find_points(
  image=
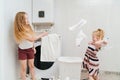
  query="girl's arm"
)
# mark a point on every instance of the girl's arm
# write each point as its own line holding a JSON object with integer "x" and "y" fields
{"x": 100, "y": 44}
{"x": 34, "y": 38}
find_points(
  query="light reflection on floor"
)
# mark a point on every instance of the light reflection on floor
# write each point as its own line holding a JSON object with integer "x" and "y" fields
{"x": 103, "y": 75}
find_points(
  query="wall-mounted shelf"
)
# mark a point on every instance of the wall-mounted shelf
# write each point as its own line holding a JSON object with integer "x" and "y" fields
{"x": 42, "y": 26}
{"x": 50, "y": 24}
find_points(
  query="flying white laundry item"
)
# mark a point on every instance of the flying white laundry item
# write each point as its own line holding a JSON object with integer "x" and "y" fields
{"x": 80, "y": 37}
{"x": 79, "y": 25}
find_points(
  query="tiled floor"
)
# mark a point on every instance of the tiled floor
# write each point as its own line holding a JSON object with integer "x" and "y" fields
{"x": 103, "y": 75}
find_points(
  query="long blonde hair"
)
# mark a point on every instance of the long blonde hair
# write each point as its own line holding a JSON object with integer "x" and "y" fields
{"x": 99, "y": 33}
{"x": 21, "y": 28}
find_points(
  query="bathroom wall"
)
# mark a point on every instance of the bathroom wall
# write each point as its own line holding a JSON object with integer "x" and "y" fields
{"x": 9, "y": 51}
{"x": 1, "y": 35}
{"x": 99, "y": 14}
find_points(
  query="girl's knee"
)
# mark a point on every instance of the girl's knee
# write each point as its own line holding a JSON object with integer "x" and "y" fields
{"x": 23, "y": 69}
{"x": 31, "y": 66}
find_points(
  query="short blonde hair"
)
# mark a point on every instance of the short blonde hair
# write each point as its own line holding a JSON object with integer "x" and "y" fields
{"x": 21, "y": 29}
{"x": 99, "y": 33}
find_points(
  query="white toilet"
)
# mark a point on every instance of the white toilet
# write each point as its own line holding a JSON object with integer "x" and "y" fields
{"x": 70, "y": 68}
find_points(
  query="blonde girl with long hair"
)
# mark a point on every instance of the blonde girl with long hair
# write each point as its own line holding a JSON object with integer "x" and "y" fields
{"x": 25, "y": 37}
{"x": 91, "y": 61}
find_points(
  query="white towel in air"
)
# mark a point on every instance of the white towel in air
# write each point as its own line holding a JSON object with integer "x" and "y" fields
{"x": 80, "y": 37}
{"x": 50, "y": 48}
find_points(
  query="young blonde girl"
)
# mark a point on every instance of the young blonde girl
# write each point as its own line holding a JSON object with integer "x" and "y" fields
{"x": 91, "y": 61}
{"x": 25, "y": 37}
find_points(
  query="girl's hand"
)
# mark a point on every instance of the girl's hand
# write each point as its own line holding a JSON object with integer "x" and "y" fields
{"x": 44, "y": 34}
{"x": 34, "y": 50}
{"x": 100, "y": 43}
{"x": 91, "y": 42}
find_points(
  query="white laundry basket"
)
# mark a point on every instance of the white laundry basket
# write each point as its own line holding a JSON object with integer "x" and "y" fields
{"x": 70, "y": 68}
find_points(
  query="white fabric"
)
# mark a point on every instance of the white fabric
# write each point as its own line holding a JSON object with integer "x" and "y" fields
{"x": 25, "y": 44}
{"x": 38, "y": 43}
{"x": 79, "y": 24}
{"x": 80, "y": 37}
{"x": 50, "y": 47}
